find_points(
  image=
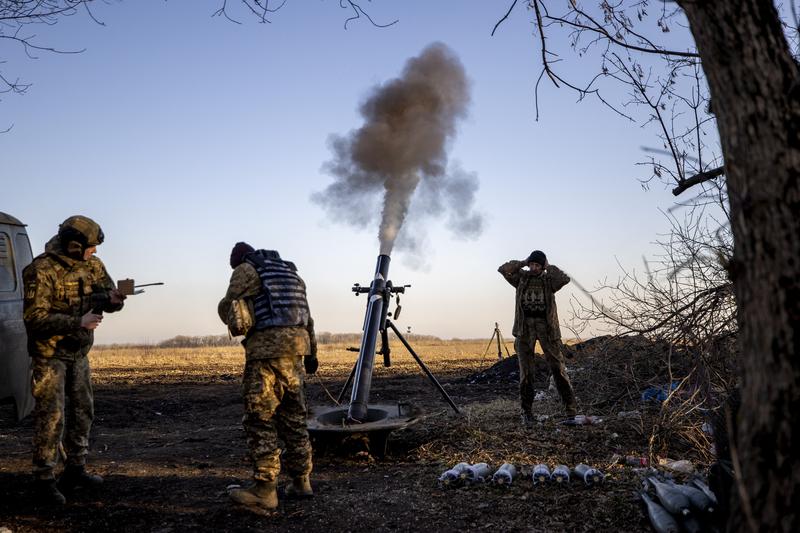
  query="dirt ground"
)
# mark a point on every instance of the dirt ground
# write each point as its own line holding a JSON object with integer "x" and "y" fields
{"x": 168, "y": 442}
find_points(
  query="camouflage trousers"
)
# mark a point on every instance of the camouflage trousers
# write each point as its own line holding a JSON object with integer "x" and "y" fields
{"x": 275, "y": 413}
{"x": 63, "y": 393}
{"x": 536, "y": 329}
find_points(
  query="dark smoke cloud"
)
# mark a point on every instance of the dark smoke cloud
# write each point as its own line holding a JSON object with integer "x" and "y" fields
{"x": 401, "y": 152}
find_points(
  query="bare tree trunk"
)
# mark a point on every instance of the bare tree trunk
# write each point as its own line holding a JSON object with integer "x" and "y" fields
{"x": 755, "y": 93}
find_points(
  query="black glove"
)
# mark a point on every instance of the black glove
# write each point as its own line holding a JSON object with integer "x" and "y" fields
{"x": 311, "y": 363}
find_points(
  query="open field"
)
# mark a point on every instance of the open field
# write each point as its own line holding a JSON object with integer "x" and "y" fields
{"x": 168, "y": 440}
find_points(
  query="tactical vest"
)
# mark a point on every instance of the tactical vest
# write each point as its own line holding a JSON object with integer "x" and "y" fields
{"x": 282, "y": 300}
{"x": 73, "y": 288}
{"x": 533, "y": 298}
{"x": 69, "y": 297}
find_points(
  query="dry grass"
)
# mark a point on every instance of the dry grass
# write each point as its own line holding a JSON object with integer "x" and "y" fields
{"x": 153, "y": 356}
{"x": 332, "y": 357}
{"x": 151, "y": 363}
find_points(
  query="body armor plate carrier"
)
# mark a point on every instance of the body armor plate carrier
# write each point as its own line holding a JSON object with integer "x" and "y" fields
{"x": 282, "y": 300}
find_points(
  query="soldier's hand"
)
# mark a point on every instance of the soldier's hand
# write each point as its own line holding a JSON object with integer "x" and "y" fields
{"x": 512, "y": 267}
{"x": 311, "y": 363}
{"x": 91, "y": 320}
{"x": 116, "y": 297}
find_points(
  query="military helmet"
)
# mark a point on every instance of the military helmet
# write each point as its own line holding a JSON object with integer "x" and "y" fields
{"x": 81, "y": 229}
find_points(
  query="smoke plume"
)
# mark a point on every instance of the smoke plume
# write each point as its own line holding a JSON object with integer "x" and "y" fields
{"x": 401, "y": 149}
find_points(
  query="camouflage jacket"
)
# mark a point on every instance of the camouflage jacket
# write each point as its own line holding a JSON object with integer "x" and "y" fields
{"x": 553, "y": 279}
{"x": 58, "y": 292}
{"x": 270, "y": 342}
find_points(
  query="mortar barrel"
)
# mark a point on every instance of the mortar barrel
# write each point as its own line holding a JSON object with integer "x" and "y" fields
{"x": 359, "y": 398}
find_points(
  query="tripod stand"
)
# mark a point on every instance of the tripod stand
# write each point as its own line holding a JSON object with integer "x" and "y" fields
{"x": 385, "y": 350}
{"x": 500, "y": 342}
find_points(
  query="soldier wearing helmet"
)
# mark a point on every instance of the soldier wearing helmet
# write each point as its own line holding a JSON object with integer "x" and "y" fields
{"x": 536, "y": 318}
{"x": 67, "y": 289}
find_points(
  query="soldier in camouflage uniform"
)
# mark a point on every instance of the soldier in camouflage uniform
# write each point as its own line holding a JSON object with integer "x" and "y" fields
{"x": 66, "y": 289}
{"x": 277, "y": 348}
{"x": 536, "y": 318}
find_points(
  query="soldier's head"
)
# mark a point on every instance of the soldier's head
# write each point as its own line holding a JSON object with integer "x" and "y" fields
{"x": 240, "y": 250}
{"x": 536, "y": 261}
{"x": 80, "y": 236}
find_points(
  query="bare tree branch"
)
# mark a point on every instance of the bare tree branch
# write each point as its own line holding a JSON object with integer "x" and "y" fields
{"x": 603, "y": 31}
{"x": 359, "y": 12}
{"x": 668, "y": 92}
{"x": 697, "y": 179}
{"x": 510, "y": 8}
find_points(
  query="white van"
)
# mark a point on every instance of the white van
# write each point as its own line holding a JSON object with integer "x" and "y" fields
{"x": 15, "y": 374}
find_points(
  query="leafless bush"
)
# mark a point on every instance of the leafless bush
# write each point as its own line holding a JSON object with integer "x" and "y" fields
{"x": 684, "y": 299}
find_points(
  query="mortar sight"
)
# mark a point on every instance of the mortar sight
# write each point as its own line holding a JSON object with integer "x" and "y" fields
{"x": 359, "y": 289}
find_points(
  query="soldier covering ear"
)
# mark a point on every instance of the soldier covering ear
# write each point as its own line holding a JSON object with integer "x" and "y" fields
{"x": 277, "y": 347}
{"x": 536, "y": 318}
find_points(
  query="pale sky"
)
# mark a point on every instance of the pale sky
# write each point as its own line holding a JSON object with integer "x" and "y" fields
{"x": 182, "y": 134}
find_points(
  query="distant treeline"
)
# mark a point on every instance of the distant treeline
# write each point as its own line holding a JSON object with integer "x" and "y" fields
{"x": 199, "y": 341}
{"x": 181, "y": 341}
{"x": 327, "y": 337}
{"x": 213, "y": 341}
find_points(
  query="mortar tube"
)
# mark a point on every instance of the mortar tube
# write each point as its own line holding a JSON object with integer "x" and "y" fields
{"x": 366, "y": 355}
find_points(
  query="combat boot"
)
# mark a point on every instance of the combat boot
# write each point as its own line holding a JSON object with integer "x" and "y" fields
{"x": 527, "y": 419}
{"x": 300, "y": 488}
{"x": 571, "y": 409}
{"x": 260, "y": 497}
{"x": 47, "y": 492}
{"x": 76, "y": 476}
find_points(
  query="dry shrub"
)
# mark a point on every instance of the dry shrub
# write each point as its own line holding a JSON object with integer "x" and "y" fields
{"x": 610, "y": 374}
{"x": 678, "y": 432}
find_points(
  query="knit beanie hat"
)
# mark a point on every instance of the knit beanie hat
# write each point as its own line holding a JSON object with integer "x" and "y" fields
{"x": 537, "y": 256}
{"x": 240, "y": 250}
